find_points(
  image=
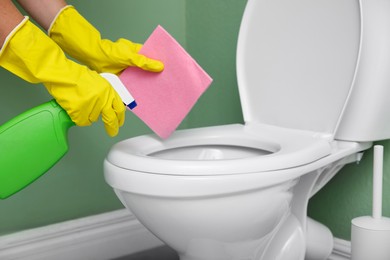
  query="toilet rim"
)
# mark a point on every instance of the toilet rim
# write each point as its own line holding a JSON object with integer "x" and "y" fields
{"x": 288, "y": 149}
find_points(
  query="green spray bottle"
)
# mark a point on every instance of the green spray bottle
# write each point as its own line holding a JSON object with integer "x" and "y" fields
{"x": 30, "y": 144}
{"x": 34, "y": 141}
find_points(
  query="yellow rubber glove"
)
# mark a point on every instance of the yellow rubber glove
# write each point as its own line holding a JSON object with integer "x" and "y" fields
{"x": 84, "y": 94}
{"x": 77, "y": 37}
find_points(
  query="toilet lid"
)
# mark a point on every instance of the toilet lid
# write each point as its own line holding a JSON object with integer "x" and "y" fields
{"x": 296, "y": 61}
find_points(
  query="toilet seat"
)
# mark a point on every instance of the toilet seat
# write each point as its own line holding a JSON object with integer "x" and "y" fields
{"x": 249, "y": 148}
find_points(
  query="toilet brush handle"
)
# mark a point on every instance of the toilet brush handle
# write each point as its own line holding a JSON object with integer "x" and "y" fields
{"x": 377, "y": 182}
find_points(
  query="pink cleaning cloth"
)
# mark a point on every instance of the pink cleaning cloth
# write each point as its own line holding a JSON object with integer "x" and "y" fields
{"x": 164, "y": 99}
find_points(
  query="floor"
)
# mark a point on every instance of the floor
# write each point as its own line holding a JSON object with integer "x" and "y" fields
{"x": 159, "y": 253}
{"x": 166, "y": 253}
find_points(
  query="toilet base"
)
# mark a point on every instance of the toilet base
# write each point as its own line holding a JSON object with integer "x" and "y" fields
{"x": 288, "y": 243}
{"x": 285, "y": 243}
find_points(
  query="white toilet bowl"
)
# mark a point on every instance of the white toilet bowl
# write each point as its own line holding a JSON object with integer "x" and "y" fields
{"x": 311, "y": 102}
{"x": 225, "y": 192}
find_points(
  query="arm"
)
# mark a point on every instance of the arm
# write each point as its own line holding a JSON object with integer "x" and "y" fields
{"x": 43, "y": 11}
{"x": 76, "y": 36}
{"x": 10, "y": 17}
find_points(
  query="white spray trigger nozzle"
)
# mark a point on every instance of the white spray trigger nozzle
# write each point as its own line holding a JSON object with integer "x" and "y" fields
{"x": 122, "y": 91}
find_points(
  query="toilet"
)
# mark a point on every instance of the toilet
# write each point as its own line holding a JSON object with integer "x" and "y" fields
{"x": 314, "y": 85}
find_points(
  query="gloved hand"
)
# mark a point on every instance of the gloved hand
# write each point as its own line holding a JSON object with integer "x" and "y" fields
{"x": 84, "y": 94}
{"x": 77, "y": 37}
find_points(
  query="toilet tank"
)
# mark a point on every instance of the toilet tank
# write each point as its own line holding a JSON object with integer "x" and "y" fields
{"x": 312, "y": 65}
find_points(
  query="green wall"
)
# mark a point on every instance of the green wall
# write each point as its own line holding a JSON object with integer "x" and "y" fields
{"x": 211, "y": 33}
{"x": 208, "y": 29}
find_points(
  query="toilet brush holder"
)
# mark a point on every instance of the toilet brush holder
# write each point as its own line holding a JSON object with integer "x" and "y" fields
{"x": 370, "y": 238}
{"x": 371, "y": 234}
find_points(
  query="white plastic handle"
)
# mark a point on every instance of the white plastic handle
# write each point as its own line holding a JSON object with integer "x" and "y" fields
{"x": 377, "y": 182}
